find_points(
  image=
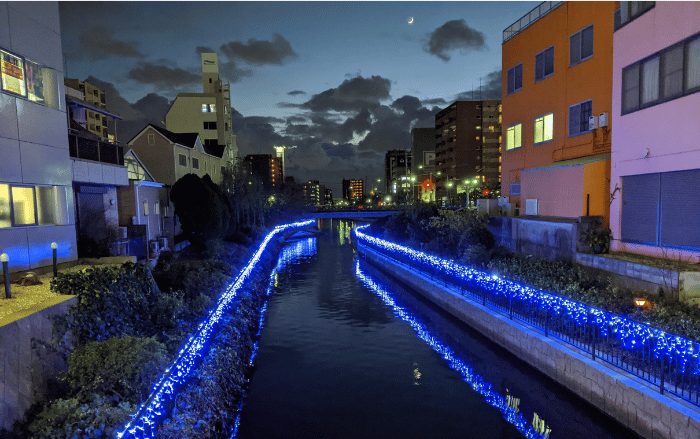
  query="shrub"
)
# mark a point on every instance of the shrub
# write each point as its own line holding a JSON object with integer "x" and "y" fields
{"x": 194, "y": 277}
{"x": 124, "y": 368}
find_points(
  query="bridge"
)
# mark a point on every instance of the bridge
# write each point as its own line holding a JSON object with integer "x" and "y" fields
{"x": 350, "y": 213}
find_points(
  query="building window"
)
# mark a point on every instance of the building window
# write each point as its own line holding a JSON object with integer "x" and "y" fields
{"x": 208, "y": 108}
{"x": 183, "y": 159}
{"x": 195, "y": 163}
{"x": 630, "y": 10}
{"x": 209, "y": 125}
{"x": 669, "y": 74}
{"x": 578, "y": 118}
{"x": 156, "y": 208}
{"x": 514, "y": 136}
{"x": 515, "y": 78}
{"x": 28, "y": 79}
{"x": 151, "y": 139}
{"x": 544, "y": 64}
{"x": 581, "y": 46}
{"x": 544, "y": 128}
{"x": 145, "y": 207}
{"x": 32, "y": 205}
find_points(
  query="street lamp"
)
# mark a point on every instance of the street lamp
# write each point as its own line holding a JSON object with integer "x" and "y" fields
{"x": 449, "y": 198}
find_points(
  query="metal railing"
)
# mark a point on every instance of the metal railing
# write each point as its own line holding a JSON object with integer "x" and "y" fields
{"x": 538, "y": 12}
{"x": 95, "y": 150}
{"x": 667, "y": 361}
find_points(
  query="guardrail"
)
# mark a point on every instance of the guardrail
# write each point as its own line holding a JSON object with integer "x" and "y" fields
{"x": 144, "y": 421}
{"x": 668, "y": 361}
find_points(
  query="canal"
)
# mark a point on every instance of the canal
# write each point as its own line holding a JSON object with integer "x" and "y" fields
{"x": 347, "y": 352}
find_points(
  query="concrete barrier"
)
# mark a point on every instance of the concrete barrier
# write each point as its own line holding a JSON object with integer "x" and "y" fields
{"x": 619, "y": 394}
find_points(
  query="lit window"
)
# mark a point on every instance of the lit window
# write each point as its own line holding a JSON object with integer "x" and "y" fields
{"x": 514, "y": 136}
{"x": 145, "y": 207}
{"x": 23, "y": 205}
{"x": 156, "y": 208}
{"x": 581, "y": 46}
{"x": 205, "y": 108}
{"x": 12, "y": 73}
{"x": 5, "y": 218}
{"x": 478, "y": 127}
{"x": 544, "y": 128}
{"x": 578, "y": 118}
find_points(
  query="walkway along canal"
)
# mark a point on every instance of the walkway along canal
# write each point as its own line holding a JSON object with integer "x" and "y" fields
{"x": 346, "y": 352}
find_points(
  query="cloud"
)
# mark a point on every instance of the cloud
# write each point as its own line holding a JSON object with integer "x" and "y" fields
{"x": 352, "y": 95}
{"x": 258, "y": 52}
{"x": 435, "y": 101}
{"x": 162, "y": 76}
{"x": 490, "y": 88}
{"x": 296, "y": 92}
{"x": 204, "y": 49}
{"x": 454, "y": 34}
{"x": 98, "y": 43}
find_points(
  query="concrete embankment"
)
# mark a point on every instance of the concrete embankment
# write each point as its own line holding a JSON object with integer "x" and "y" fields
{"x": 619, "y": 394}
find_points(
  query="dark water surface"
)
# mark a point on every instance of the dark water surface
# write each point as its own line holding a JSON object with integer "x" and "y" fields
{"x": 336, "y": 360}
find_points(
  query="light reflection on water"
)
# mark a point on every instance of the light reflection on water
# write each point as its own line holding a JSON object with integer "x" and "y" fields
{"x": 335, "y": 361}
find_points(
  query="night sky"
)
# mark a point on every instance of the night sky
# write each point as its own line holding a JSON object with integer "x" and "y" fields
{"x": 343, "y": 81}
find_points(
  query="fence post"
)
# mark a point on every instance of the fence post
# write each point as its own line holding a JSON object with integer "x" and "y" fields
{"x": 663, "y": 372}
{"x": 510, "y": 305}
{"x": 546, "y": 322}
{"x": 591, "y": 326}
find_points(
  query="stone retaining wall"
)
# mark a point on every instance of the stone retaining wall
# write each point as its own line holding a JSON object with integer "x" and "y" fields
{"x": 25, "y": 375}
{"x": 620, "y": 395}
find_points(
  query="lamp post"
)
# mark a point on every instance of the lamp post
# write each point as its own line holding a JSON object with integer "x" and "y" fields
{"x": 6, "y": 272}
{"x": 54, "y": 246}
{"x": 449, "y": 198}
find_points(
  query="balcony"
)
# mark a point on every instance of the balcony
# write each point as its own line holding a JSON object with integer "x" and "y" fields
{"x": 95, "y": 150}
{"x": 538, "y": 12}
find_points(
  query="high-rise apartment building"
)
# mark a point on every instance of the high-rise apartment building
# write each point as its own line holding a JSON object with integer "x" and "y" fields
{"x": 87, "y": 107}
{"x": 314, "y": 193}
{"x": 397, "y": 174}
{"x": 467, "y": 149}
{"x": 654, "y": 206}
{"x": 207, "y": 113}
{"x": 557, "y": 89}
{"x": 353, "y": 189}
{"x": 267, "y": 168}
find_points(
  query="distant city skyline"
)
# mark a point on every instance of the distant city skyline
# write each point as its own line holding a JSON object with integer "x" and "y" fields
{"x": 343, "y": 81}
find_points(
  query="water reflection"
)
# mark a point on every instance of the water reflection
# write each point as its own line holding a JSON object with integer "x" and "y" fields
{"x": 505, "y": 405}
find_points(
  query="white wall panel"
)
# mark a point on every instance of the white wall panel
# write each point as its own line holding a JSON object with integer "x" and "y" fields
{"x": 121, "y": 176}
{"x": 36, "y": 42}
{"x": 13, "y": 241}
{"x": 10, "y": 169}
{"x": 43, "y": 164}
{"x": 94, "y": 172}
{"x": 8, "y": 116}
{"x": 45, "y": 13}
{"x": 4, "y": 26}
{"x": 40, "y": 239}
{"x": 80, "y": 170}
{"x": 39, "y": 124}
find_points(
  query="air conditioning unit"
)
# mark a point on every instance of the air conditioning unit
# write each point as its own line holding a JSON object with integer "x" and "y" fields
{"x": 532, "y": 207}
{"x": 163, "y": 242}
{"x": 592, "y": 123}
{"x": 603, "y": 119}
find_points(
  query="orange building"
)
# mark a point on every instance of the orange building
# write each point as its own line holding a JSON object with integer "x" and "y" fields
{"x": 557, "y": 92}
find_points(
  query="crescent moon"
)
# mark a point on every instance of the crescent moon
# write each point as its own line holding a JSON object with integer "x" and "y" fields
{"x": 410, "y": 20}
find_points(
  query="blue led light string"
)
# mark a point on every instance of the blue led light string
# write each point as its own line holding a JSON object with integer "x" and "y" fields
{"x": 679, "y": 355}
{"x": 485, "y": 389}
{"x": 142, "y": 425}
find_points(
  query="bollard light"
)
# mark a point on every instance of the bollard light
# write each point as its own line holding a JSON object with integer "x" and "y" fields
{"x": 641, "y": 302}
{"x": 54, "y": 246}
{"x": 6, "y": 272}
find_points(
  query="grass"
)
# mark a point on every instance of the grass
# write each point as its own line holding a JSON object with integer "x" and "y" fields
{"x": 669, "y": 264}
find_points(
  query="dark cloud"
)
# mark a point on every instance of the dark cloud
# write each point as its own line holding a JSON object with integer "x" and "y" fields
{"x": 296, "y": 92}
{"x": 453, "y": 35}
{"x": 435, "y": 101}
{"x": 204, "y": 49}
{"x": 232, "y": 73}
{"x": 258, "y": 52}
{"x": 162, "y": 76}
{"x": 490, "y": 89}
{"x": 98, "y": 43}
{"x": 292, "y": 119}
{"x": 407, "y": 104}
{"x": 352, "y": 95}
{"x": 344, "y": 151}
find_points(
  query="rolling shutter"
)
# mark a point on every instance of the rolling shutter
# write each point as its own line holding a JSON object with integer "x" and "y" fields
{"x": 640, "y": 208}
{"x": 680, "y": 208}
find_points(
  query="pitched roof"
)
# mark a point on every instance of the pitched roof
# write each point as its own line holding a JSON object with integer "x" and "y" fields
{"x": 184, "y": 139}
{"x": 215, "y": 150}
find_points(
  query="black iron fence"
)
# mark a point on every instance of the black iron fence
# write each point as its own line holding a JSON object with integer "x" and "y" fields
{"x": 96, "y": 150}
{"x": 670, "y": 362}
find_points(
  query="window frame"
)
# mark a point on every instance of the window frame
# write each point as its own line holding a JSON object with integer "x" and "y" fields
{"x": 180, "y": 157}
{"x": 59, "y": 211}
{"x": 661, "y": 98}
{"x": 52, "y": 100}
{"x": 579, "y": 33}
{"x": 543, "y": 53}
{"x": 579, "y": 132}
{"x": 195, "y": 163}
{"x": 543, "y": 117}
{"x": 508, "y": 81}
{"x": 521, "y": 136}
